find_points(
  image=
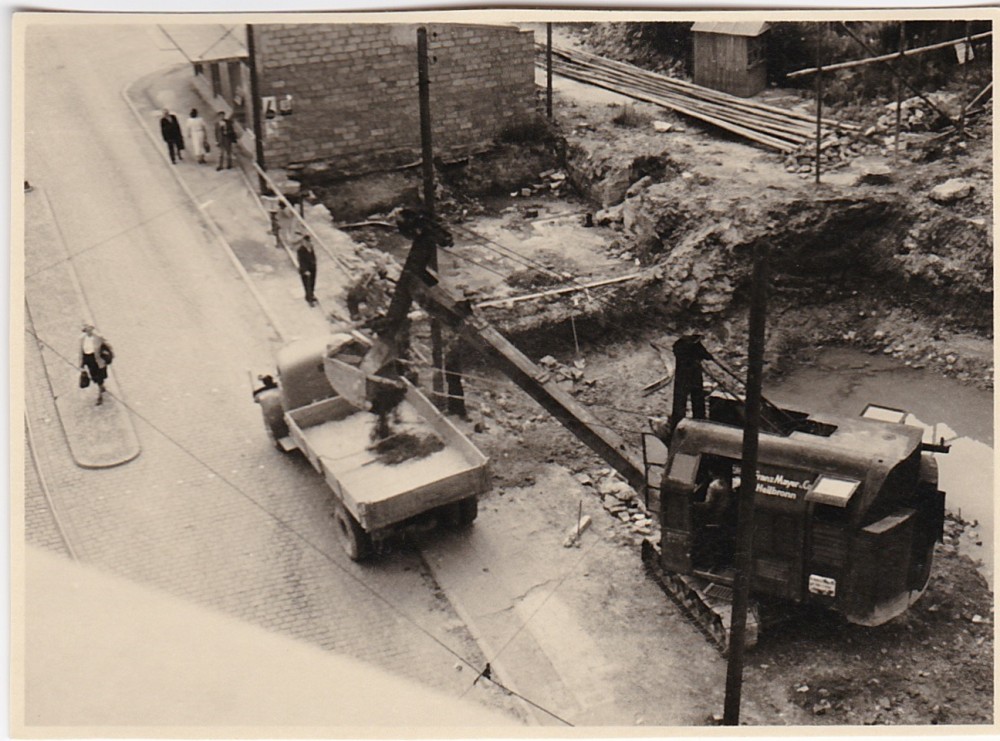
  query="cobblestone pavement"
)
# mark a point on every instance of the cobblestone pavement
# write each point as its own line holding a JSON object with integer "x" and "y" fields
{"x": 209, "y": 512}
{"x": 40, "y": 524}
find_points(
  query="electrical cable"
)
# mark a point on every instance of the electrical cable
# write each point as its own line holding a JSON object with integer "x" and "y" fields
{"x": 524, "y": 623}
{"x": 290, "y": 529}
{"x": 70, "y": 256}
{"x": 505, "y": 385}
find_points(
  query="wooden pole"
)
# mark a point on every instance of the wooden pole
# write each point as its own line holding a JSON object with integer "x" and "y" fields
{"x": 258, "y": 134}
{"x": 819, "y": 99}
{"x": 965, "y": 80}
{"x": 898, "y": 73}
{"x": 889, "y": 57}
{"x": 548, "y": 70}
{"x": 747, "y": 490}
{"x": 899, "y": 95}
{"x": 427, "y": 155}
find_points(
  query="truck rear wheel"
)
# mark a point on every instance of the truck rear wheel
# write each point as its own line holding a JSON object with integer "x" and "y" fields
{"x": 357, "y": 544}
{"x": 464, "y": 512}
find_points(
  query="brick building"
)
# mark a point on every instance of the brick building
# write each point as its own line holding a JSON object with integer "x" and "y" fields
{"x": 345, "y": 95}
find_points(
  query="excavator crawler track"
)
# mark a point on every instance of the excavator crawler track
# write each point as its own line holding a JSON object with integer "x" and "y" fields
{"x": 708, "y": 605}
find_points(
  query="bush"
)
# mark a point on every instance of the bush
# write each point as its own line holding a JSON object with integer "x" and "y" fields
{"x": 630, "y": 118}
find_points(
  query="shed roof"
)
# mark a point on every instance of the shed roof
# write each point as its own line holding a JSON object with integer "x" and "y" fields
{"x": 731, "y": 28}
{"x": 207, "y": 42}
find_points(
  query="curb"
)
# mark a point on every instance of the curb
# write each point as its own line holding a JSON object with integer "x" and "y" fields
{"x": 207, "y": 220}
{"x": 485, "y": 646}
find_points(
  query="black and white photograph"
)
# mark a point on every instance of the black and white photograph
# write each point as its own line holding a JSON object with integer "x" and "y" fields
{"x": 502, "y": 373}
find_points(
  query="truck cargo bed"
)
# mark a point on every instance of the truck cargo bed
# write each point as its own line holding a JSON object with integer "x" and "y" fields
{"x": 337, "y": 440}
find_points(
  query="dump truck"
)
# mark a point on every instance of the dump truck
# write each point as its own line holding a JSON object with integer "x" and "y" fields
{"x": 846, "y": 510}
{"x": 421, "y": 473}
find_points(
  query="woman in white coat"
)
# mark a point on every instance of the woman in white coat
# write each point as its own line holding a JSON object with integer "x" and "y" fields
{"x": 197, "y": 131}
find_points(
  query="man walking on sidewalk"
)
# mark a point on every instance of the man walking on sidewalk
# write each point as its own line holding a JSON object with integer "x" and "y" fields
{"x": 307, "y": 268}
{"x": 170, "y": 130}
{"x": 225, "y": 136}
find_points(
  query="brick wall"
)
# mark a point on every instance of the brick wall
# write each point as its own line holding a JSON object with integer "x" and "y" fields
{"x": 355, "y": 96}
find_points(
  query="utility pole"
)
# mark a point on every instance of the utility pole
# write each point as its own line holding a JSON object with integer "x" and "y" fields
{"x": 258, "y": 134}
{"x": 427, "y": 160}
{"x": 965, "y": 79}
{"x": 548, "y": 70}
{"x": 899, "y": 94}
{"x": 819, "y": 97}
{"x": 748, "y": 489}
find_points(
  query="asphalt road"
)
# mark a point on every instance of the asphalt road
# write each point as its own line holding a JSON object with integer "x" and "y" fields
{"x": 209, "y": 512}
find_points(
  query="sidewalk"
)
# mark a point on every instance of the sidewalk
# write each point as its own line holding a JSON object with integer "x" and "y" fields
{"x": 229, "y": 202}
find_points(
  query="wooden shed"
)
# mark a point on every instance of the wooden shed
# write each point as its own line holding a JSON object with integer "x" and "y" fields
{"x": 730, "y": 56}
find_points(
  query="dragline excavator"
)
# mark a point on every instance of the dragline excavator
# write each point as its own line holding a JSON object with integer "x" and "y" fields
{"x": 846, "y": 510}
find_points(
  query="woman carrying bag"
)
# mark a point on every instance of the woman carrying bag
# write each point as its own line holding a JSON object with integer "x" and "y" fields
{"x": 95, "y": 357}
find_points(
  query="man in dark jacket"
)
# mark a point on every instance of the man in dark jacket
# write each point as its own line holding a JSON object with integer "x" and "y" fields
{"x": 170, "y": 129}
{"x": 225, "y": 136}
{"x": 307, "y": 268}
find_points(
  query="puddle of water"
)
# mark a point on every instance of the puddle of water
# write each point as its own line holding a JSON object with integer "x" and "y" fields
{"x": 843, "y": 381}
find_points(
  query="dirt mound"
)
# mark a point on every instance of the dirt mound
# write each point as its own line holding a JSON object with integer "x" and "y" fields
{"x": 406, "y": 446}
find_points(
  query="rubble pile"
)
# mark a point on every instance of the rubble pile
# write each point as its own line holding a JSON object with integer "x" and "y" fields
{"x": 917, "y": 118}
{"x": 568, "y": 378}
{"x": 619, "y": 500}
{"x": 549, "y": 181}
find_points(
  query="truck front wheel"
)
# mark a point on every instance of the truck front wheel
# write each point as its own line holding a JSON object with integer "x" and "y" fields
{"x": 357, "y": 544}
{"x": 274, "y": 416}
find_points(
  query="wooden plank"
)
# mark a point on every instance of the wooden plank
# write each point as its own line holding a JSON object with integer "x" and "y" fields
{"x": 888, "y": 57}
{"x": 796, "y": 132}
{"x": 693, "y": 89}
{"x": 772, "y": 142}
{"x": 556, "y": 291}
{"x": 735, "y": 110}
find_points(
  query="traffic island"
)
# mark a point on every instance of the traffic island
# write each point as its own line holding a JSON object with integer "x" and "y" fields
{"x": 99, "y": 436}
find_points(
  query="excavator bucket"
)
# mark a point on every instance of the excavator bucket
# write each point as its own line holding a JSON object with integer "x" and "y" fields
{"x": 346, "y": 366}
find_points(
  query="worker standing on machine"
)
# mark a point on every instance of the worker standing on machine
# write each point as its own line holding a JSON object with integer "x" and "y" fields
{"x": 688, "y": 382}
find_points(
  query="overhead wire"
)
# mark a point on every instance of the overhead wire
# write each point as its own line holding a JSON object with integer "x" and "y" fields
{"x": 501, "y": 384}
{"x": 300, "y": 536}
{"x": 138, "y": 225}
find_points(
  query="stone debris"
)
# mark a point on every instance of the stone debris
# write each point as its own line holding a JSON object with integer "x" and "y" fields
{"x": 569, "y": 378}
{"x": 619, "y": 500}
{"x": 550, "y": 181}
{"x": 951, "y": 191}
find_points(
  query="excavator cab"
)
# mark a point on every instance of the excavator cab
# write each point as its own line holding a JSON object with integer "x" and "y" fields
{"x": 846, "y": 510}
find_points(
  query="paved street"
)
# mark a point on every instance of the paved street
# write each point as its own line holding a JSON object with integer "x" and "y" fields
{"x": 209, "y": 511}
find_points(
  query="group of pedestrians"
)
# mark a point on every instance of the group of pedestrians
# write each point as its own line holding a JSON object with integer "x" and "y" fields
{"x": 197, "y": 135}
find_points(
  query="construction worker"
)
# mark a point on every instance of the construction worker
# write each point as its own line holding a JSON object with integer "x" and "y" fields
{"x": 688, "y": 381}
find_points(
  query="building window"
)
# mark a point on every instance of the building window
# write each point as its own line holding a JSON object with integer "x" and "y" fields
{"x": 199, "y": 69}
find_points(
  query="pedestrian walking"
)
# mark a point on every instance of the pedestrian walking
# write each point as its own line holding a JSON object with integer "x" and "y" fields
{"x": 225, "y": 137}
{"x": 95, "y": 357}
{"x": 170, "y": 130}
{"x": 198, "y": 135}
{"x": 307, "y": 268}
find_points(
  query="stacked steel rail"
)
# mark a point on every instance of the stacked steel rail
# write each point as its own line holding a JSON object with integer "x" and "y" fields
{"x": 770, "y": 126}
